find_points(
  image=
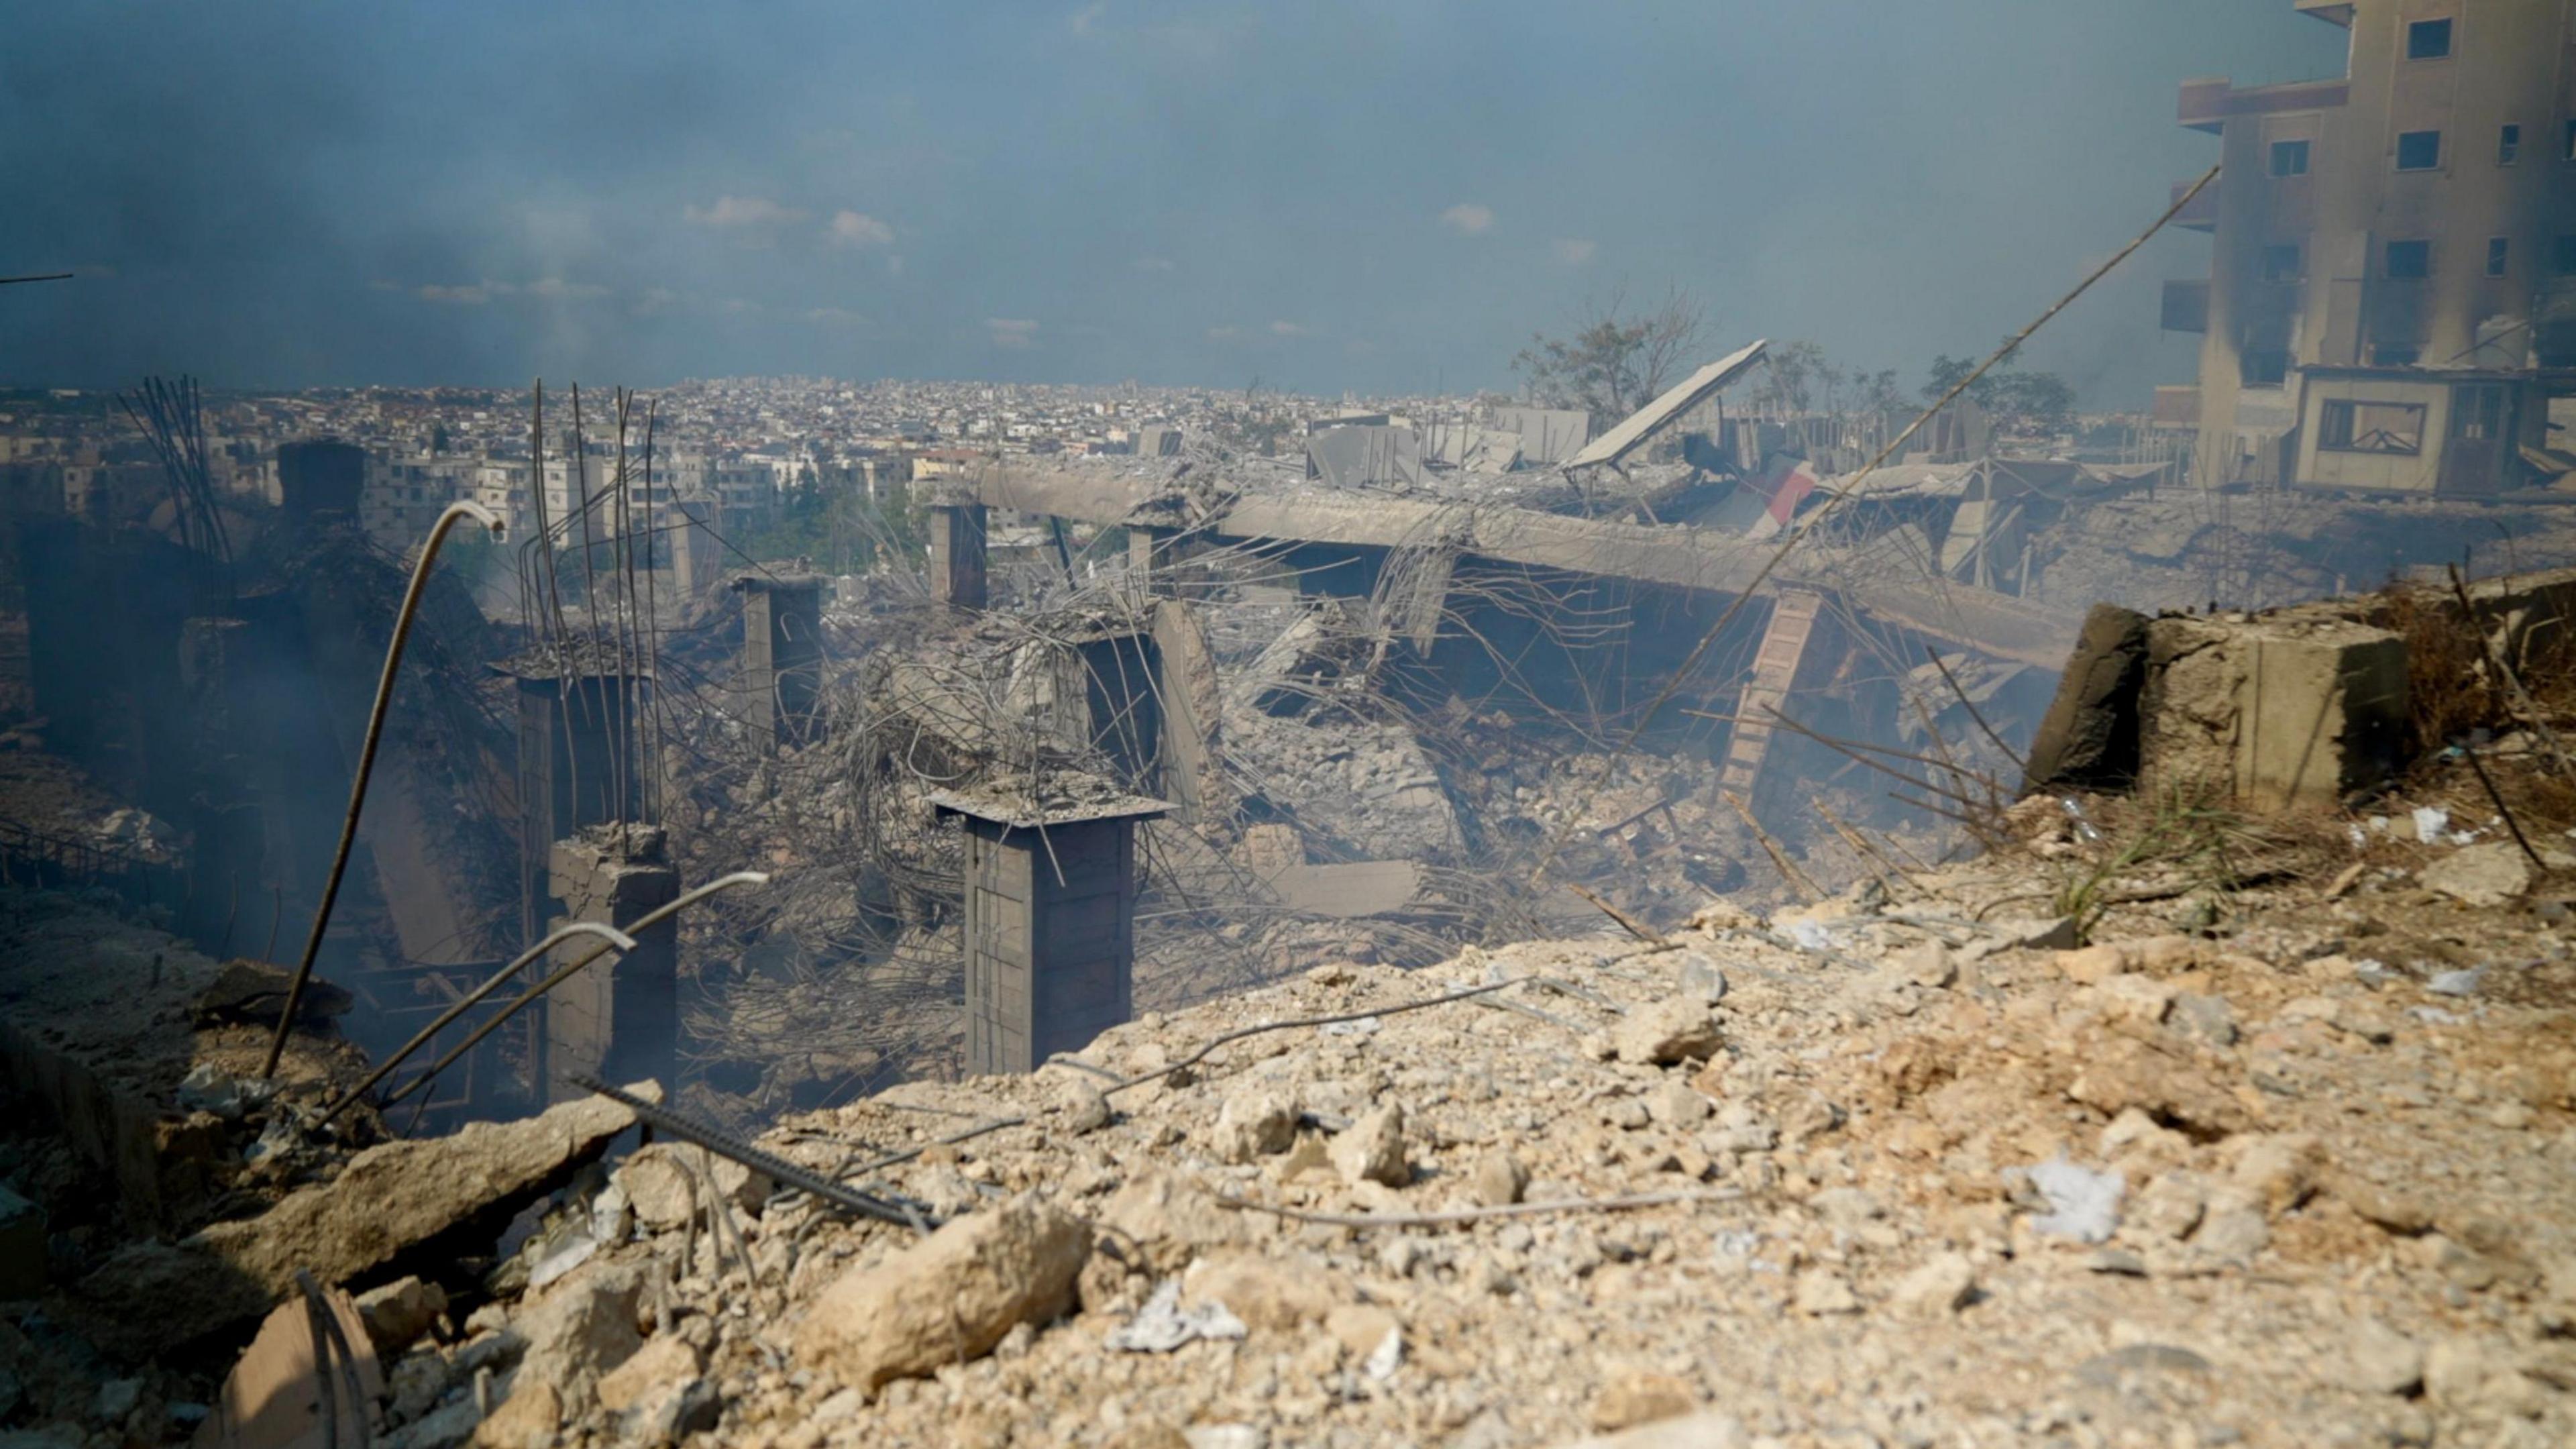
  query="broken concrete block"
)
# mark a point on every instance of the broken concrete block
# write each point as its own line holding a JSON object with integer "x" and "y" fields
{"x": 2294, "y": 708}
{"x": 666, "y": 1362}
{"x": 579, "y": 1331}
{"x": 666, "y": 1181}
{"x": 1268, "y": 1293}
{"x": 1161, "y": 1220}
{"x": 530, "y": 1418}
{"x": 2494, "y": 874}
{"x": 2088, "y": 739}
{"x": 1677, "y": 1028}
{"x": 398, "y": 1313}
{"x": 1498, "y": 1179}
{"x": 947, "y": 1298}
{"x": 1255, "y": 1122}
{"x": 1372, "y": 1150}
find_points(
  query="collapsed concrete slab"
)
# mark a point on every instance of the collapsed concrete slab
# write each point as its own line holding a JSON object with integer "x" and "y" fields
{"x": 390, "y": 1202}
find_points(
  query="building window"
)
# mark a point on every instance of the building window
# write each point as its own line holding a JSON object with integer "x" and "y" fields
{"x": 2419, "y": 150}
{"x": 2508, "y": 145}
{"x": 2263, "y": 366}
{"x": 2498, "y": 250}
{"x": 2562, "y": 255}
{"x": 2410, "y": 260}
{"x": 2346, "y": 426}
{"x": 2289, "y": 158}
{"x": 2428, "y": 40}
{"x": 2395, "y": 354}
{"x": 2281, "y": 262}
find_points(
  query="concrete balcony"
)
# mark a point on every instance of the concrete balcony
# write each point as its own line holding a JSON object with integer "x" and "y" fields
{"x": 2202, "y": 213}
{"x": 2207, "y": 103}
{"x": 2186, "y": 306}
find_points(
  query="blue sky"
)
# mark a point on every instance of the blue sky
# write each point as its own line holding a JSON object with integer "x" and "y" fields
{"x": 1328, "y": 196}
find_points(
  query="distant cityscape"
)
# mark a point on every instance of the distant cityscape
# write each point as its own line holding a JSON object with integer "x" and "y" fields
{"x": 745, "y": 446}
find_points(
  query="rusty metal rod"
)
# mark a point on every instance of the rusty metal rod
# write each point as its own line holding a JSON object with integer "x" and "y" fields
{"x": 778, "y": 1169}
{"x": 367, "y": 763}
{"x": 520, "y": 1003}
{"x": 2470, "y": 754}
{"x": 619, "y": 940}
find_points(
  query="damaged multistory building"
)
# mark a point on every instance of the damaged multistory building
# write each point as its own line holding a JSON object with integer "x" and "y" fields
{"x": 2391, "y": 301}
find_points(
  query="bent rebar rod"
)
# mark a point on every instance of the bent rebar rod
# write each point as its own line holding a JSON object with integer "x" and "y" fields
{"x": 519, "y": 1003}
{"x": 618, "y": 940}
{"x": 367, "y": 763}
{"x": 777, "y": 1169}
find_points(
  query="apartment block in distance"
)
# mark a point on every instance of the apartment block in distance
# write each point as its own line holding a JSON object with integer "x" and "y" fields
{"x": 2391, "y": 300}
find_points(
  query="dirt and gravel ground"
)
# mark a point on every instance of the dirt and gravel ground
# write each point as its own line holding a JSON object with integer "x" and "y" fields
{"x": 1911, "y": 1171}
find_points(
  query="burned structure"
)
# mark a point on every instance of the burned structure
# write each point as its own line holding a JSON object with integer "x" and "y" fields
{"x": 2391, "y": 300}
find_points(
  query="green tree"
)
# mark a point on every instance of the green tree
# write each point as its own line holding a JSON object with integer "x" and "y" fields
{"x": 1615, "y": 360}
{"x": 2007, "y": 390}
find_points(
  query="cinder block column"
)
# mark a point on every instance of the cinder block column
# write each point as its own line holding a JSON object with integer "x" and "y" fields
{"x": 1050, "y": 930}
{"x": 782, "y": 656}
{"x": 958, "y": 575}
{"x": 618, "y": 1018}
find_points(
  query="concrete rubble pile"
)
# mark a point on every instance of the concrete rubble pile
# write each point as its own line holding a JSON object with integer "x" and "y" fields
{"x": 1897, "y": 1172}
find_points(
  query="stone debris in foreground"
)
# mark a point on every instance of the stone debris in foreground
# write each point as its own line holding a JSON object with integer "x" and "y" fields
{"x": 948, "y": 1298}
{"x": 389, "y": 1200}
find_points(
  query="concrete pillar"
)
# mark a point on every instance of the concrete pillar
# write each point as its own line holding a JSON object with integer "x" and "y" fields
{"x": 1122, "y": 701}
{"x": 957, "y": 566}
{"x": 690, "y": 547}
{"x": 1185, "y": 674}
{"x": 617, "y": 1018}
{"x": 1158, "y": 556}
{"x": 577, "y": 766}
{"x": 782, "y": 656}
{"x": 1050, "y": 930}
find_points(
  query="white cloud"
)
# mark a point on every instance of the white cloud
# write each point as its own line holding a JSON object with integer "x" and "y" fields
{"x": 858, "y": 229}
{"x": 1575, "y": 251}
{"x": 835, "y": 317}
{"x": 743, "y": 213}
{"x": 1286, "y": 329}
{"x": 1467, "y": 218}
{"x": 558, "y": 289}
{"x": 1224, "y": 334}
{"x": 1087, "y": 17}
{"x": 1157, "y": 264}
{"x": 477, "y": 294}
{"x": 1012, "y": 332}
